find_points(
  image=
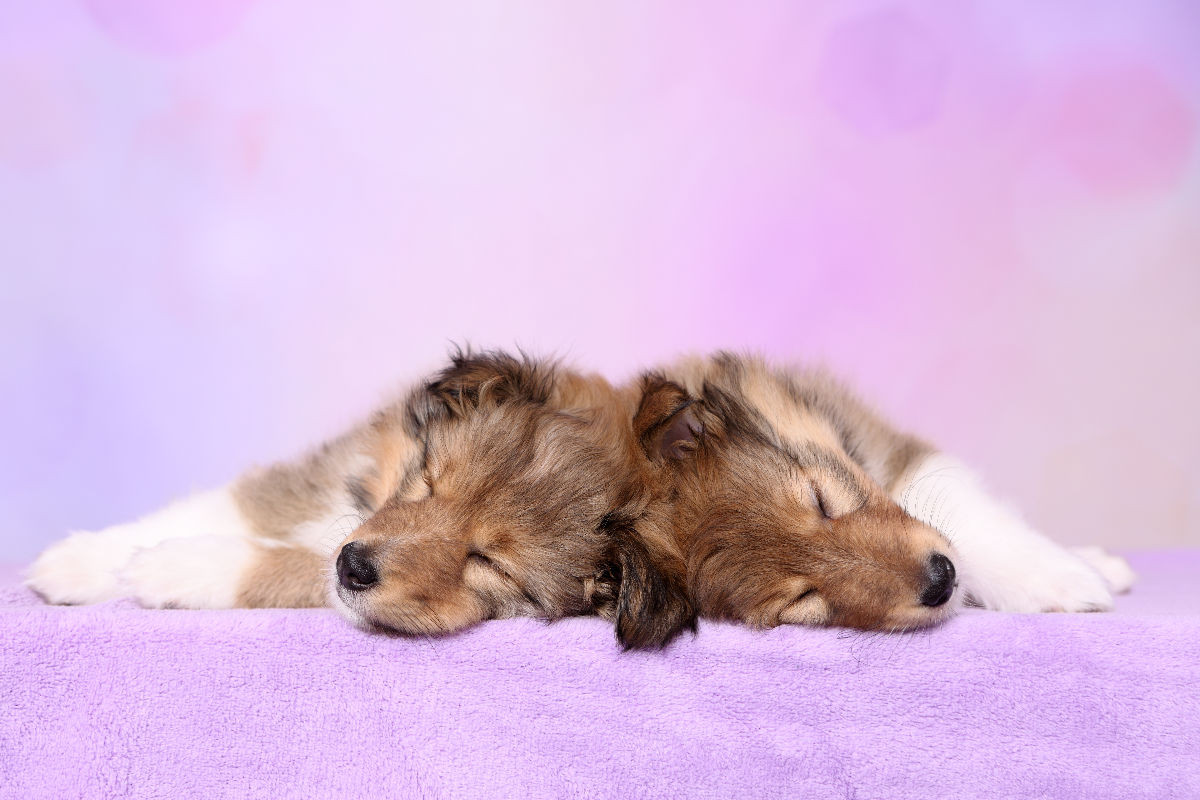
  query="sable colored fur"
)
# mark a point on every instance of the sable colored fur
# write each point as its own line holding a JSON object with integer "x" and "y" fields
{"x": 792, "y": 502}
{"x": 502, "y": 486}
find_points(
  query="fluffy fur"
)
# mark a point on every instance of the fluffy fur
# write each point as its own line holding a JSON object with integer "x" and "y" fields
{"x": 120, "y": 561}
{"x": 1005, "y": 564}
{"x": 503, "y": 486}
{"x": 794, "y": 502}
{"x": 509, "y": 486}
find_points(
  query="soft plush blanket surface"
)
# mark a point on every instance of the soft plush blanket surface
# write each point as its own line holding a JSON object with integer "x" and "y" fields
{"x": 114, "y": 701}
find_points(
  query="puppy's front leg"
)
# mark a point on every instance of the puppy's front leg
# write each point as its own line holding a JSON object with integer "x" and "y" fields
{"x": 1003, "y": 563}
{"x": 227, "y": 547}
{"x": 90, "y": 567}
{"x": 227, "y": 572}
{"x": 197, "y": 552}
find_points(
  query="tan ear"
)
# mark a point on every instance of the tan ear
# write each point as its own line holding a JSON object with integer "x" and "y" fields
{"x": 667, "y": 422}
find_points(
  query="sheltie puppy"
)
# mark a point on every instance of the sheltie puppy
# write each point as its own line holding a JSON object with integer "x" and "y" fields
{"x": 792, "y": 502}
{"x": 501, "y": 487}
{"x": 506, "y": 487}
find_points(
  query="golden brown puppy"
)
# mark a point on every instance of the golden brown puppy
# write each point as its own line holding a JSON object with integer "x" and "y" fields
{"x": 527, "y": 504}
{"x": 792, "y": 502}
{"x": 501, "y": 487}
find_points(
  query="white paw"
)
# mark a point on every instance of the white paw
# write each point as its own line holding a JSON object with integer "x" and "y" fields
{"x": 1039, "y": 579}
{"x": 1114, "y": 569}
{"x": 87, "y": 567}
{"x": 192, "y": 572}
{"x": 1003, "y": 563}
{"x": 83, "y": 568}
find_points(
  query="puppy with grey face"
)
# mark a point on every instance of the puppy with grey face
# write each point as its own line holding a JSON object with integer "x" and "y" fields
{"x": 792, "y": 502}
{"x": 501, "y": 487}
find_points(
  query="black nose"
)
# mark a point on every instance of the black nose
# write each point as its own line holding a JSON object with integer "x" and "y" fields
{"x": 354, "y": 568}
{"x": 940, "y": 572}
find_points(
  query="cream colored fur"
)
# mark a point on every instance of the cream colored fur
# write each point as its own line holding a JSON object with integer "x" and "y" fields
{"x": 191, "y": 553}
{"x": 1004, "y": 564}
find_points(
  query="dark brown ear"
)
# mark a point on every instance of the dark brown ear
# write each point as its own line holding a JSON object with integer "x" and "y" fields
{"x": 666, "y": 424}
{"x": 652, "y": 607}
{"x": 491, "y": 378}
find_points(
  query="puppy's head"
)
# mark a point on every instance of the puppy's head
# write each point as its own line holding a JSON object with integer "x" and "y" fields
{"x": 527, "y": 505}
{"x": 507, "y": 512}
{"x": 792, "y": 530}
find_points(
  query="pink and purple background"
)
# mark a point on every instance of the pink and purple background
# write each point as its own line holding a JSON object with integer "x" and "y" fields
{"x": 229, "y": 227}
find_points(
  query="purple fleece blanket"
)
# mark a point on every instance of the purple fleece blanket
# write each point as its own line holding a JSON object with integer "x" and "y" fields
{"x": 115, "y": 701}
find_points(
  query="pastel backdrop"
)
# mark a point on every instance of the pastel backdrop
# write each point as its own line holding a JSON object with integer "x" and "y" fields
{"x": 229, "y": 227}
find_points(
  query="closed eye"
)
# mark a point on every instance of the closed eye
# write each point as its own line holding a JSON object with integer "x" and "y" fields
{"x": 806, "y": 609}
{"x": 819, "y": 499}
{"x": 484, "y": 561}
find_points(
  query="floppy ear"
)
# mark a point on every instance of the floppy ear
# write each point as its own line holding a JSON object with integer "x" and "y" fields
{"x": 652, "y": 607}
{"x": 666, "y": 423}
{"x": 491, "y": 377}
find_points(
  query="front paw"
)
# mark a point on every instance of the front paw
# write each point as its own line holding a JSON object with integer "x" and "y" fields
{"x": 193, "y": 572}
{"x": 1050, "y": 580}
{"x": 1114, "y": 569}
{"x": 83, "y": 568}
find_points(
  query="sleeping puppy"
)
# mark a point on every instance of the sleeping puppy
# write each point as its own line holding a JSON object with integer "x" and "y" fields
{"x": 795, "y": 503}
{"x": 501, "y": 487}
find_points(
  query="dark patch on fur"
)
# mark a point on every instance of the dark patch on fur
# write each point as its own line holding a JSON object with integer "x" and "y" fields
{"x": 739, "y": 422}
{"x": 652, "y": 609}
{"x": 360, "y": 496}
{"x": 493, "y": 377}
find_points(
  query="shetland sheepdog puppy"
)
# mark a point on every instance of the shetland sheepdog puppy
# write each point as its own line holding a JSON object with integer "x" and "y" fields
{"x": 793, "y": 502}
{"x": 722, "y": 486}
{"x": 501, "y": 487}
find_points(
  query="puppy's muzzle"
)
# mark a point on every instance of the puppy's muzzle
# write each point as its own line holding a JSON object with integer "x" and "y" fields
{"x": 939, "y": 588}
{"x": 355, "y": 569}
